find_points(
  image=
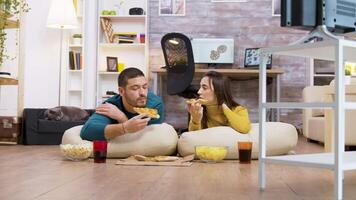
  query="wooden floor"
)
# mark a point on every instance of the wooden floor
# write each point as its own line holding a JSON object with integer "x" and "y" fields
{"x": 40, "y": 172}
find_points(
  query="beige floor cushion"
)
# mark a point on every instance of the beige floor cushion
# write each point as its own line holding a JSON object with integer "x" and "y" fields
{"x": 154, "y": 140}
{"x": 281, "y": 138}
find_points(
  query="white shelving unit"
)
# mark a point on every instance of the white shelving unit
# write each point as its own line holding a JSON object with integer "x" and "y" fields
{"x": 130, "y": 54}
{"x": 75, "y": 76}
{"x": 337, "y": 50}
{"x": 318, "y": 78}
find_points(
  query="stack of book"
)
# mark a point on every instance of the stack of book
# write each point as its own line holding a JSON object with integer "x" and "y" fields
{"x": 124, "y": 37}
{"x": 75, "y": 60}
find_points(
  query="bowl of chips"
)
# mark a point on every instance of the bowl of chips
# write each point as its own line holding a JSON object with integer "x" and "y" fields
{"x": 211, "y": 154}
{"x": 76, "y": 152}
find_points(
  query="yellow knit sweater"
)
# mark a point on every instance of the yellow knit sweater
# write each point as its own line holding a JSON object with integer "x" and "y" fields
{"x": 236, "y": 118}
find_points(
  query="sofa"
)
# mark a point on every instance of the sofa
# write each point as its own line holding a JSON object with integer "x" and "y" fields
{"x": 39, "y": 131}
{"x": 318, "y": 122}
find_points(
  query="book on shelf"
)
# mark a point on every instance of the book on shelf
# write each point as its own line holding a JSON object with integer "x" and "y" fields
{"x": 125, "y": 41}
{"x": 125, "y": 37}
{"x": 75, "y": 60}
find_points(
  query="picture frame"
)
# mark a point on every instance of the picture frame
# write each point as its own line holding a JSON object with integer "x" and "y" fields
{"x": 171, "y": 8}
{"x": 111, "y": 64}
{"x": 252, "y": 58}
{"x": 276, "y": 8}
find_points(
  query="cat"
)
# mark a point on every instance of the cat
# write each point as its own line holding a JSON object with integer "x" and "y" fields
{"x": 66, "y": 113}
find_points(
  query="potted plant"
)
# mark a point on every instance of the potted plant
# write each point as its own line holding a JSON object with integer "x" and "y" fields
{"x": 77, "y": 39}
{"x": 9, "y": 9}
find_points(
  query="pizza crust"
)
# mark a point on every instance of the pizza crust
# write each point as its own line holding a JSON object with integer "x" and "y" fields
{"x": 200, "y": 100}
{"x": 151, "y": 112}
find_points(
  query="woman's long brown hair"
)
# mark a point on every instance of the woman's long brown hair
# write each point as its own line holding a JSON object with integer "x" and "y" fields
{"x": 222, "y": 91}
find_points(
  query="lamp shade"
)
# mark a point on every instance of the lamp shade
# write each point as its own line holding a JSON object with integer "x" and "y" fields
{"x": 62, "y": 15}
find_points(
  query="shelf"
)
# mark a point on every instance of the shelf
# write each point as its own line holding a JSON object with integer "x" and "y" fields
{"x": 75, "y": 46}
{"x": 112, "y": 45}
{"x": 124, "y": 17}
{"x": 74, "y": 90}
{"x": 75, "y": 71}
{"x": 296, "y": 105}
{"x": 324, "y": 50}
{"x": 331, "y": 49}
{"x": 8, "y": 81}
{"x": 9, "y": 24}
{"x": 324, "y": 75}
{"x": 319, "y": 160}
{"x": 108, "y": 73}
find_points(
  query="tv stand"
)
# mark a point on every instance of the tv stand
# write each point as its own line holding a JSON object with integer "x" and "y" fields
{"x": 319, "y": 33}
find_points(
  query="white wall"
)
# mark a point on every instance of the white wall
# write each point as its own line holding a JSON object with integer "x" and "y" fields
{"x": 41, "y": 57}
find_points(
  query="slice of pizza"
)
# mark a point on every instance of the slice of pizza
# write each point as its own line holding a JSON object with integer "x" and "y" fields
{"x": 200, "y": 100}
{"x": 166, "y": 158}
{"x": 151, "y": 112}
{"x": 156, "y": 158}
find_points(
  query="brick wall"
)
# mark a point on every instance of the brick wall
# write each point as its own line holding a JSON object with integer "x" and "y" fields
{"x": 251, "y": 25}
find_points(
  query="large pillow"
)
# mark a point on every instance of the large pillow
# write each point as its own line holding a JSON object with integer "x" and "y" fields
{"x": 154, "y": 140}
{"x": 281, "y": 138}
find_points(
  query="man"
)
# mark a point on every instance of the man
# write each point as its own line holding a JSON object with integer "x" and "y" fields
{"x": 116, "y": 116}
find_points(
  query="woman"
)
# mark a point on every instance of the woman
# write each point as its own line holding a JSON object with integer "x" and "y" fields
{"x": 215, "y": 106}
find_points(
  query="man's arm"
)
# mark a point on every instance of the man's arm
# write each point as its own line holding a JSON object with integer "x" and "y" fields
{"x": 94, "y": 128}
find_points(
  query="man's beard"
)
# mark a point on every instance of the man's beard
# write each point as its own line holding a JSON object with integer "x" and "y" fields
{"x": 133, "y": 102}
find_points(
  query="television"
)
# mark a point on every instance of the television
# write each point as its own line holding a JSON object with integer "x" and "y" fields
{"x": 339, "y": 16}
{"x": 213, "y": 50}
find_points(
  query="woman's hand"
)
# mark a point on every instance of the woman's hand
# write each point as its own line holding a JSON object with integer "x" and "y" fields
{"x": 196, "y": 111}
{"x": 111, "y": 111}
{"x": 224, "y": 106}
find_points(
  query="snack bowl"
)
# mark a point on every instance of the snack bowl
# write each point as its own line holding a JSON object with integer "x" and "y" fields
{"x": 211, "y": 154}
{"x": 76, "y": 152}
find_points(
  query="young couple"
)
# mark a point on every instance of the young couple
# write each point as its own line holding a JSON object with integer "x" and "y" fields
{"x": 117, "y": 117}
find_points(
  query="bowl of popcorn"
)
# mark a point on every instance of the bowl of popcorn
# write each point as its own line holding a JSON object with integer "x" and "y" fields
{"x": 211, "y": 154}
{"x": 76, "y": 152}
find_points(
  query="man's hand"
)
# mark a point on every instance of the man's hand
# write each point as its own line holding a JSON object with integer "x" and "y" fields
{"x": 196, "y": 111}
{"x": 136, "y": 123}
{"x": 111, "y": 111}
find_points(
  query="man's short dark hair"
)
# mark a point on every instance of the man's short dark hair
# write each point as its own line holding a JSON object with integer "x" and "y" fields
{"x": 127, "y": 74}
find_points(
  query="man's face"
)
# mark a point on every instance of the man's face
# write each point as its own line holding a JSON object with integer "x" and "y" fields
{"x": 135, "y": 92}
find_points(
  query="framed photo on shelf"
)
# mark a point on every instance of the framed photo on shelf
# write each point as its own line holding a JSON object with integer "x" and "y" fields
{"x": 276, "y": 8}
{"x": 111, "y": 64}
{"x": 252, "y": 58}
{"x": 171, "y": 7}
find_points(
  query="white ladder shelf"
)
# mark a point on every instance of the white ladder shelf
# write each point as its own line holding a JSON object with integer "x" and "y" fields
{"x": 338, "y": 50}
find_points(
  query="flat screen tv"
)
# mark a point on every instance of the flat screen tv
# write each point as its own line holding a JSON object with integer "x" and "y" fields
{"x": 338, "y": 16}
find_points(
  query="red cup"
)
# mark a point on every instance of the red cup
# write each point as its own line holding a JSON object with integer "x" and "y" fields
{"x": 99, "y": 149}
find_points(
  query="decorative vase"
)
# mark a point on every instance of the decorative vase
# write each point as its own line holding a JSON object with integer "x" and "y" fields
{"x": 347, "y": 80}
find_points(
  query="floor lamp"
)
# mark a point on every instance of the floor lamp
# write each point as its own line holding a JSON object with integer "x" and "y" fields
{"x": 61, "y": 16}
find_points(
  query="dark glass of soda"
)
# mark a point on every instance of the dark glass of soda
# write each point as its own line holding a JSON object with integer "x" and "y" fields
{"x": 245, "y": 151}
{"x": 100, "y": 149}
